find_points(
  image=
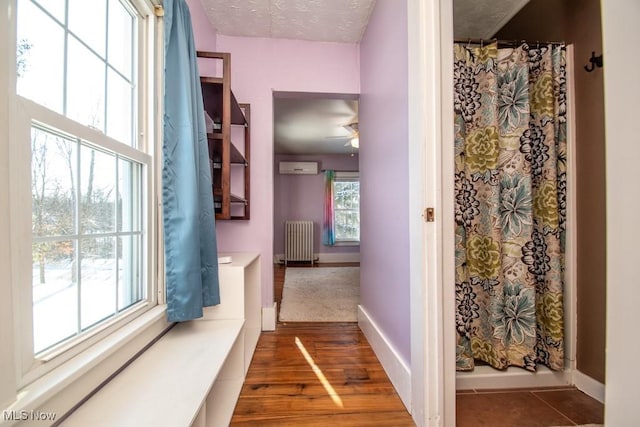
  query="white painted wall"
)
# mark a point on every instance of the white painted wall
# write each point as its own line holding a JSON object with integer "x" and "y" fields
{"x": 621, "y": 34}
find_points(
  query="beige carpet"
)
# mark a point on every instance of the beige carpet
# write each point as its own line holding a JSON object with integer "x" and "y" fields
{"x": 322, "y": 294}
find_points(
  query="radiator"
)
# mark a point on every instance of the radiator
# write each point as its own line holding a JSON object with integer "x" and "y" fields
{"x": 298, "y": 241}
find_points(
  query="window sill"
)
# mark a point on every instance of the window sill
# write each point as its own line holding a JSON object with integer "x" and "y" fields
{"x": 203, "y": 359}
{"x": 347, "y": 243}
{"x": 61, "y": 389}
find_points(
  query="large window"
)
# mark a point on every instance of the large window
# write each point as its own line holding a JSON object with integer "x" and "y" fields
{"x": 346, "y": 202}
{"x": 78, "y": 58}
{"x": 87, "y": 230}
{"x": 79, "y": 73}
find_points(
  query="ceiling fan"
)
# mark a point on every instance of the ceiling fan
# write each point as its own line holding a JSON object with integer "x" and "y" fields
{"x": 353, "y": 138}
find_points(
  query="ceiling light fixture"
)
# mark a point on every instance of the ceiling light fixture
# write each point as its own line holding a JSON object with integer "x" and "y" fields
{"x": 355, "y": 142}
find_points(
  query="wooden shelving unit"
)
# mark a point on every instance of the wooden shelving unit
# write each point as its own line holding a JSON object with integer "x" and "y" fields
{"x": 227, "y": 157}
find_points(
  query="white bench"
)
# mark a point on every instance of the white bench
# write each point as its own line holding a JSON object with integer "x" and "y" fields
{"x": 192, "y": 376}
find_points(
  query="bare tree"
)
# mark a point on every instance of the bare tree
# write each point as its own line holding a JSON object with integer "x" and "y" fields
{"x": 21, "y": 56}
{"x": 38, "y": 188}
{"x": 67, "y": 153}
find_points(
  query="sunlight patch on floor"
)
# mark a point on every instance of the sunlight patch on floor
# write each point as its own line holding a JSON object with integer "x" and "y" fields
{"x": 316, "y": 370}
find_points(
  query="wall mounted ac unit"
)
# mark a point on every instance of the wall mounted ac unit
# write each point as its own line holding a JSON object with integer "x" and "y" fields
{"x": 298, "y": 168}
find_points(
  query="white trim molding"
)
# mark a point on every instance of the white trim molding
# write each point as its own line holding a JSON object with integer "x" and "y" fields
{"x": 571, "y": 249}
{"x": 486, "y": 377}
{"x": 269, "y": 317}
{"x": 589, "y": 386}
{"x": 61, "y": 389}
{"x": 325, "y": 258}
{"x": 338, "y": 258}
{"x": 430, "y": 78}
{"x": 396, "y": 369}
{"x": 8, "y": 381}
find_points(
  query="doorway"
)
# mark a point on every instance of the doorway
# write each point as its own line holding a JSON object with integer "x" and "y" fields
{"x": 316, "y": 206}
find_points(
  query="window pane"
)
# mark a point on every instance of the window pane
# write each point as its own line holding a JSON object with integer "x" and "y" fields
{"x": 347, "y": 194}
{"x": 54, "y": 7}
{"x": 40, "y": 58}
{"x": 53, "y": 191}
{"x": 87, "y": 20}
{"x": 119, "y": 117}
{"x": 347, "y": 225}
{"x": 347, "y": 210}
{"x": 129, "y": 196}
{"x": 129, "y": 279}
{"x": 98, "y": 187}
{"x": 120, "y": 38}
{"x": 79, "y": 58}
{"x": 85, "y": 86}
{"x": 98, "y": 285}
{"x": 55, "y": 314}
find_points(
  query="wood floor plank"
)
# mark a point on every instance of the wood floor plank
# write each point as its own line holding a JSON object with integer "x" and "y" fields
{"x": 317, "y": 374}
{"x": 259, "y": 389}
{"x": 382, "y": 419}
{"x": 260, "y": 406}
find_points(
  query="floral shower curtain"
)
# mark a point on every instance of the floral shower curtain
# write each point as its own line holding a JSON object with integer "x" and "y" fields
{"x": 510, "y": 182}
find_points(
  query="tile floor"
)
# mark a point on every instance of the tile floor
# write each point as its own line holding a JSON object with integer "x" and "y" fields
{"x": 540, "y": 407}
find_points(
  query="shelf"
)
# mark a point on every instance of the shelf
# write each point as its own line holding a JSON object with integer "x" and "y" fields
{"x": 236, "y": 157}
{"x": 237, "y": 199}
{"x": 233, "y": 197}
{"x": 214, "y": 80}
{"x": 226, "y": 157}
{"x": 212, "y": 89}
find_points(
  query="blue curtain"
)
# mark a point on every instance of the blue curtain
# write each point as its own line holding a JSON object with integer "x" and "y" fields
{"x": 191, "y": 255}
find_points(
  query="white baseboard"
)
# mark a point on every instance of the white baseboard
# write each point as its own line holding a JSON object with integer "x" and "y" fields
{"x": 486, "y": 377}
{"x": 325, "y": 257}
{"x": 589, "y": 386}
{"x": 348, "y": 257}
{"x": 269, "y": 317}
{"x": 397, "y": 370}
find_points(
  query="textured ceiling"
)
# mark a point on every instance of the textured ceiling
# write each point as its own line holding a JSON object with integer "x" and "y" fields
{"x": 481, "y": 19}
{"x": 317, "y": 20}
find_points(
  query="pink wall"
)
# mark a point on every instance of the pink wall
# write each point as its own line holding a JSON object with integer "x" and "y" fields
{"x": 260, "y": 66}
{"x": 301, "y": 197}
{"x": 205, "y": 36}
{"x": 384, "y": 163}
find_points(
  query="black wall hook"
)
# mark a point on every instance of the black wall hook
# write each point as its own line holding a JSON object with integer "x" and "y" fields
{"x": 596, "y": 61}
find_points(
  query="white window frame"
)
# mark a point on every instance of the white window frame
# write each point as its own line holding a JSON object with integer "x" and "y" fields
{"x": 23, "y": 114}
{"x": 342, "y": 176}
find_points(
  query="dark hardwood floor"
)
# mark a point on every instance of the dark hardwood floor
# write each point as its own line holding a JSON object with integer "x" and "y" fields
{"x": 326, "y": 374}
{"x": 316, "y": 374}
